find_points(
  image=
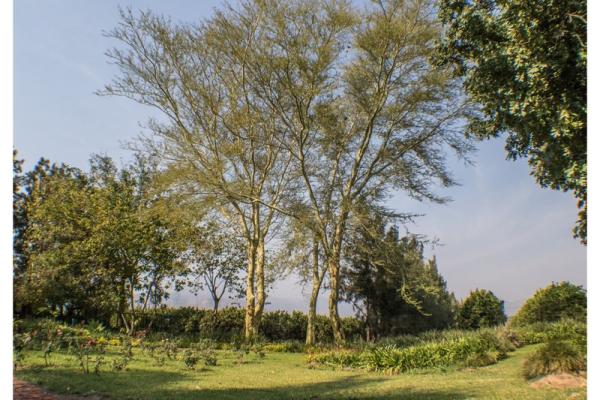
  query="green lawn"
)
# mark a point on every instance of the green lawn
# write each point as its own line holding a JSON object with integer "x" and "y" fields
{"x": 284, "y": 376}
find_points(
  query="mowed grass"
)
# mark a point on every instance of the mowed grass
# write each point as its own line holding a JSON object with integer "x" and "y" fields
{"x": 284, "y": 376}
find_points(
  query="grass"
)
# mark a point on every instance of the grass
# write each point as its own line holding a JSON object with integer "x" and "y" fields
{"x": 284, "y": 376}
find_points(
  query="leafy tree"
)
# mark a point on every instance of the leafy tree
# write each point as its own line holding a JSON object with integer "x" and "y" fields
{"x": 94, "y": 244}
{"x": 272, "y": 94}
{"x": 393, "y": 288}
{"x": 480, "y": 309}
{"x": 28, "y": 190}
{"x": 219, "y": 145}
{"x": 525, "y": 63}
{"x": 552, "y": 303}
{"x": 217, "y": 262}
{"x": 362, "y": 111}
{"x": 19, "y": 217}
{"x": 19, "y": 226}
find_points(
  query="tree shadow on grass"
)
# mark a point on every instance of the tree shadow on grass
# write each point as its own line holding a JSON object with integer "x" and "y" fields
{"x": 151, "y": 385}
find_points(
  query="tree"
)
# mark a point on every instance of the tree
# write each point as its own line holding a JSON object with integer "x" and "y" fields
{"x": 19, "y": 217}
{"x": 480, "y": 309}
{"x": 218, "y": 144}
{"x": 552, "y": 303}
{"x": 390, "y": 284}
{"x": 525, "y": 63}
{"x": 217, "y": 261}
{"x": 364, "y": 111}
{"x": 29, "y": 189}
{"x": 301, "y": 253}
{"x": 274, "y": 94}
{"x": 94, "y": 243}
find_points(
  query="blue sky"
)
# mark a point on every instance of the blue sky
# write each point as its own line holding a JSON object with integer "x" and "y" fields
{"x": 501, "y": 231}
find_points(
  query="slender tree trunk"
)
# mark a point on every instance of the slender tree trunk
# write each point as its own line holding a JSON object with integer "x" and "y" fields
{"x": 260, "y": 285}
{"x": 250, "y": 300}
{"x": 334, "y": 316}
{"x": 333, "y": 265}
{"x": 317, "y": 280}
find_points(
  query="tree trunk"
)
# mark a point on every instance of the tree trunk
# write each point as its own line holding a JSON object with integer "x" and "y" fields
{"x": 333, "y": 265}
{"x": 260, "y": 285}
{"x": 249, "y": 317}
{"x": 317, "y": 280}
{"x": 334, "y": 316}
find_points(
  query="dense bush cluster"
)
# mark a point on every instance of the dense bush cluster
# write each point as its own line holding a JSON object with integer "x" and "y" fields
{"x": 432, "y": 350}
{"x": 553, "y": 303}
{"x": 481, "y": 309}
{"x": 228, "y": 323}
{"x": 554, "y": 357}
{"x": 563, "y": 349}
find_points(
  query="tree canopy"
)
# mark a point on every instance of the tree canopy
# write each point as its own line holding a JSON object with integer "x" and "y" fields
{"x": 525, "y": 64}
{"x": 552, "y": 303}
{"x": 480, "y": 309}
{"x": 296, "y": 110}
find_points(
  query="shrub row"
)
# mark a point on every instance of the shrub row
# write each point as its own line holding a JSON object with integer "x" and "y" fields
{"x": 478, "y": 348}
{"x": 563, "y": 349}
{"x": 228, "y": 323}
{"x": 544, "y": 332}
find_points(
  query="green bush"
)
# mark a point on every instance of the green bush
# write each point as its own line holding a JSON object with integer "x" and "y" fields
{"x": 481, "y": 309}
{"x": 543, "y": 332}
{"x": 482, "y": 359}
{"x": 289, "y": 346}
{"x": 476, "y": 348}
{"x": 554, "y": 357}
{"x": 228, "y": 323}
{"x": 190, "y": 359}
{"x": 336, "y": 358}
{"x": 553, "y": 303}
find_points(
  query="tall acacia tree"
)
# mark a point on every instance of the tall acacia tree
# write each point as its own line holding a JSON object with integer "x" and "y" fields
{"x": 363, "y": 110}
{"x": 345, "y": 97}
{"x": 218, "y": 142}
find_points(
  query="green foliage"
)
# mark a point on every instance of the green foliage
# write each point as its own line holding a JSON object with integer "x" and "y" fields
{"x": 542, "y": 332}
{"x": 525, "y": 63}
{"x": 288, "y": 346}
{"x": 88, "y": 352}
{"x": 480, "y": 309}
{"x": 554, "y": 357}
{"x": 20, "y": 343}
{"x": 553, "y": 303}
{"x": 125, "y": 357}
{"x": 482, "y": 359}
{"x": 96, "y": 243}
{"x": 479, "y": 348}
{"x": 336, "y": 358}
{"x": 190, "y": 359}
{"x": 392, "y": 287}
{"x": 228, "y": 323}
{"x": 216, "y": 261}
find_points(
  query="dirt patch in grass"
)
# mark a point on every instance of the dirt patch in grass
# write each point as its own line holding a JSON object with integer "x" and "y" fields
{"x": 28, "y": 391}
{"x": 560, "y": 381}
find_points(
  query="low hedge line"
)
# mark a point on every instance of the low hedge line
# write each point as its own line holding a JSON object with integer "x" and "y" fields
{"x": 564, "y": 347}
{"x": 544, "y": 332}
{"x": 478, "y": 348}
{"x": 191, "y": 324}
{"x": 228, "y": 323}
